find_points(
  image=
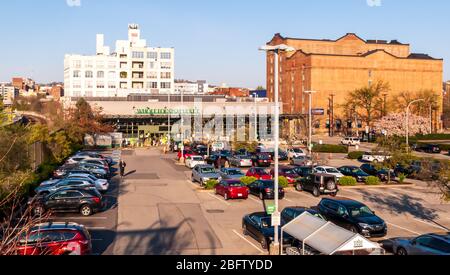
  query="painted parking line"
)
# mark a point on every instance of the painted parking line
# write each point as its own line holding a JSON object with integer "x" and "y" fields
{"x": 288, "y": 200}
{"x": 432, "y": 224}
{"x": 80, "y": 218}
{"x": 249, "y": 242}
{"x": 405, "y": 229}
{"x": 255, "y": 200}
{"x": 219, "y": 199}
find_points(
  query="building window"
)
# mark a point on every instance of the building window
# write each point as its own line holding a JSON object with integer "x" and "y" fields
{"x": 111, "y": 75}
{"x": 100, "y": 74}
{"x": 152, "y": 75}
{"x": 151, "y": 65}
{"x": 76, "y": 74}
{"x": 152, "y": 55}
{"x": 152, "y": 85}
{"x": 123, "y": 65}
{"x": 166, "y": 65}
{"x": 166, "y": 75}
{"x": 111, "y": 85}
{"x": 137, "y": 54}
{"x": 123, "y": 85}
{"x": 123, "y": 75}
{"x": 100, "y": 64}
{"x": 76, "y": 93}
{"x": 100, "y": 85}
{"x": 165, "y": 85}
{"x": 89, "y": 64}
{"x": 77, "y": 64}
{"x": 89, "y": 74}
{"x": 166, "y": 55}
{"x": 88, "y": 94}
{"x": 89, "y": 84}
{"x": 76, "y": 85}
{"x": 111, "y": 65}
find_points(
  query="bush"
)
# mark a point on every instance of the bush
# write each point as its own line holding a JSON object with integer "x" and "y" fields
{"x": 401, "y": 178}
{"x": 248, "y": 180}
{"x": 372, "y": 180}
{"x": 355, "y": 155}
{"x": 348, "y": 181}
{"x": 433, "y": 137}
{"x": 328, "y": 148}
{"x": 283, "y": 182}
{"x": 211, "y": 184}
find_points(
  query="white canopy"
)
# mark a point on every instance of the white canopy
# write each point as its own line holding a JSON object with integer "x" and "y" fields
{"x": 326, "y": 237}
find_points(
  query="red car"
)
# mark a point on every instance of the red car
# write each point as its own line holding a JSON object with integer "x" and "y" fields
{"x": 187, "y": 153}
{"x": 258, "y": 173}
{"x": 232, "y": 189}
{"x": 287, "y": 172}
{"x": 55, "y": 239}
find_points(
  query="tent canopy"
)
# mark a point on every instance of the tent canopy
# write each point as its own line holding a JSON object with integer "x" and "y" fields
{"x": 326, "y": 237}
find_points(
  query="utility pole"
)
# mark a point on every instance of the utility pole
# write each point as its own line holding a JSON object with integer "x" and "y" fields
{"x": 331, "y": 114}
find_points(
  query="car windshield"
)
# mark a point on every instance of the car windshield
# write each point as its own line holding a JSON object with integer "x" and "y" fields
{"x": 197, "y": 158}
{"x": 208, "y": 170}
{"x": 268, "y": 184}
{"x": 266, "y": 222}
{"x": 360, "y": 212}
{"x": 261, "y": 172}
{"x": 264, "y": 157}
{"x": 236, "y": 184}
{"x": 356, "y": 170}
{"x": 332, "y": 170}
{"x": 290, "y": 172}
{"x": 297, "y": 150}
{"x": 234, "y": 172}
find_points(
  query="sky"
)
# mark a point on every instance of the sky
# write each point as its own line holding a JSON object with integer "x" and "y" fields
{"x": 214, "y": 40}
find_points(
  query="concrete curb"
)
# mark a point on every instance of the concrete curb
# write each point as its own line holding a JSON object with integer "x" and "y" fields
{"x": 377, "y": 186}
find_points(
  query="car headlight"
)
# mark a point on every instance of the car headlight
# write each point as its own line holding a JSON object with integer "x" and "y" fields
{"x": 206, "y": 179}
{"x": 364, "y": 225}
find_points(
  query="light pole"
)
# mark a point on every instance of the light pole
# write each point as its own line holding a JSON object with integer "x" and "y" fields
{"x": 407, "y": 121}
{"x": 276, "y": 215}
{"x": 255, "y": 95}
{"x": 182, "y": 126}
{"x": 168, "y": 122}
{"x": 310, "y": 93}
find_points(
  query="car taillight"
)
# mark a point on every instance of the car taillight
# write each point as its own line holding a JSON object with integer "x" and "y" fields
{"x": 96, "y": 200}
{"x": 268, "y": 190}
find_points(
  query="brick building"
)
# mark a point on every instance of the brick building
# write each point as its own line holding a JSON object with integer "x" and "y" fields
{"x": 333, "y": 68}
{"x": 57, "y": 91}
{"x": 231, "y": 92}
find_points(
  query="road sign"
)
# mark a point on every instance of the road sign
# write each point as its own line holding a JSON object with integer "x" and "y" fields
{"x": 276, "y": 219}
{"x": 270, "y": 209}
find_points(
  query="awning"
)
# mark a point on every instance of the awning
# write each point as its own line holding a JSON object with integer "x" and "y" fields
{"x": 326, "y": 237}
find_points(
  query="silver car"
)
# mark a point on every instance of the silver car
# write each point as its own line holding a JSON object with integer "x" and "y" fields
{"x": 231, "y": 174}
{"x": 101, "y": 184}
{"x": 204, "y": 173}
{"x": 241, "y": 161}
{"x": 302, "y": 161}
{"x": 429, "y": 244}
{"x": 51, "y": 186}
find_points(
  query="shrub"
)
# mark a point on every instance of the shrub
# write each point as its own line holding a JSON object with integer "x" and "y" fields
{"x": 433, "y": 137}
{"x": 355, "y": 155}
{"x": 283, "y": 182}
{"x": 372, "y": 180}
{"x": 211, "y": 184}
{"x": 248, "y": 180}
{"x": 348, "y": 181}
{"x": 401, "y": 178}
{"x": 328, "y": 148}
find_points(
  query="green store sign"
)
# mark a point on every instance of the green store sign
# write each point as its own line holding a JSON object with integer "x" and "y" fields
{"x": 165, "y": 111}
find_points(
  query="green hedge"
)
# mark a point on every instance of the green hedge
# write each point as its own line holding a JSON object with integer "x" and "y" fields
{"x": 433, "y": 137}
{"x": 283, "y": 182}
{"x": 329, "y": 148}
{"x": 211, "y": 184}
{"x": 248, "y": 180}
{"x": 373, "y": 180}
{"x": 355, "y": 155}
{"x": 348, "y": 181}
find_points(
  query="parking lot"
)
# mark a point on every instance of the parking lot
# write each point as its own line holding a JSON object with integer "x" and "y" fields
{"x": 157, "y": 210}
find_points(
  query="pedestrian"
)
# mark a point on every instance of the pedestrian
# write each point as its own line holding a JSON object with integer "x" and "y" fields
{"x": 122, "y": 166}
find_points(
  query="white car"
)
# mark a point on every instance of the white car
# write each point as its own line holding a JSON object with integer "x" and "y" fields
{"x": 351, "y": 141}
{"x": 328, "y": 170}
{"x": 101, "y": 184}
{"x": 193, "y": 161}
{"x": 296, "y": 153}
{"x": 375, "y": 157}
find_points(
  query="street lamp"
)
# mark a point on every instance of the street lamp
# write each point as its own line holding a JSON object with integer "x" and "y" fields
{"x": 310, "y": 121}
{"x": 276, "y": 50}
{"x": 407, "y": 121}
{"x": 255, "y": 95}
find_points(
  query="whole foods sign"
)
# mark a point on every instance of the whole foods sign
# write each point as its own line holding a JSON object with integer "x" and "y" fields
{"x": 165, "y": 111}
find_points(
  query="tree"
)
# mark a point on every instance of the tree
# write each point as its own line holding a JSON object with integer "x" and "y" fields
{"x": 368, "y": 101}
{"x": 260, "y": 88}
{"x": 422, "y": 108}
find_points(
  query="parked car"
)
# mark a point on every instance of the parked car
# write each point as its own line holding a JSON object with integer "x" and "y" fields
{"x": 355, "y": 172}
{"x": 351, "y": 141}
{"x": 96, "y": 156}
{"x": 429, "y": 244}
{"x": 353, "y": 216}
{"x": 102, "y": 185}
{"x": 382, "y": 174}
{"x": 288, "y": 172}
{"x": 290, "y": 213}
{"x": 54, "y": 185}
{"x": 231, "y": 174}
{"x": 203, "y": 173}
{"x": 193, "y": 161}
{"x": 241, "y": 161}
{"x": 328, "y": 170}
{"x": 303, "y": 171}
{"x": 232, "y": 189}
{"x": 303, "y": 161}
{"x": 84, "y": 201}
{"x": 296, "y": 152}
{"x": 259, "y": 226}
{"x": 375, "y": 157}
{"x": 98, "y": 162}
{"x": 55, "y": 239}
{"x": 186, "y": 154}
{"x": 258, "y": 173}
{"x": 428, "y": 148}
{"x": 218, "y": 160}
{"x": 265, "y": 189}
{"x": 262, "y": 160}
{"x": 318, "y": 184}
{"x": 409, "y": 171}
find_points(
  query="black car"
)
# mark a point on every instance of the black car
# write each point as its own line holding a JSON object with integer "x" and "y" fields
{"x": 265, "y": 189}
{"x": 382, "y": 174}
{"x": 355, "y": 172}
{"x": 353, "y": 216}
{"x": 303, "y": 171}
{"x": 428, "y": 148}
{"x": 290, "y": 213}
{"x": 259, "y": 226}
{"x": 409, "y": 171}
{"x": 85, "y": 201}
{"x": 262, "y": 160}
{"x": 214, "y": 160}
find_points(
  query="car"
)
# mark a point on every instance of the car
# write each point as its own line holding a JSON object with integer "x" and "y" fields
{"x": 193, "y": 161}
{"x": 354, "y": 216}
{"x": 351, "y": 141}
{"x": 303, "y": 161}
{"x": 303, "y": 171}
{"x": 318, "y": 184}
{"x": 375, "y": 157}
{"x": 290, "y": 213}
{"x": 214, "y": 160}
{"x": 328, "y": 170}
{"x": 288, "y": 172}
{"x": 409, "y": 171}
{"x": 241, "y": 161}
{"x": 296, "y": 152}
{"x": 265, "y": 189}
{"x": 231, "y": 174}
{"x": 51, "y": 186}
{"x": 203, "y": 173}
{"x": 232, "y": 189}
{"x": 428, "y": 148}
{"x": 259, "y": 226}
{"x": 382, "y": 174}
{"x": 102, "y": 185}
{"x": 428, "y": 244}
{"x": 355, "y": 172}
{"x": 97, "y": 171}
{"x": 83, "y": 201}
{"x": 95, "y": 155}
{"x": 84, "y": 172}
{"x": 262, "y": 160}
{"x": 98, "y": 162}
{"x": 258, "y": 173}
{"x": 186, "y": 154}
{"x": 55, "y": 239}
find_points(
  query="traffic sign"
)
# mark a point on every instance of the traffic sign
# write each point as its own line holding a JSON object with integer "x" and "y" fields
{"x": 276, "y": 219}
{"x": 270, "y": 209}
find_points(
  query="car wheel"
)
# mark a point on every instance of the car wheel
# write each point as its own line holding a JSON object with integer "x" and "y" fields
{"x": 193, "y": 179}
{"x": 244, "y": 230}
{"x": 261, "y": 196}
{"x": 86, "y": 210}
{"x": 401, "y": 252}
{"x": 333, "y": 194}
{"x": 316, "y": 192}
{"x": 226, "y": 196}
{"x": 299, "y": 187}
{"x": 354, "y": 229}
{"x": 264, "y": 244}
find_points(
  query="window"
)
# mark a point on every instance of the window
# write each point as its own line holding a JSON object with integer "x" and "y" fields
{"x": 165, "y": 85}
{"x": 88, "y": 94}
{"x": 166, "y": 75}
{"x": 111, "y": 85}
{"x": 100, "y": 64}
{"x": 89, "y": 74}
{"x": 89, "y": 84}
{"x": 89, "y": 64}
{"x": 77, "y": 64}
{"x": 76, "y": 85}
{"x": 100, "y": 85}
{"x": 151, "y": 65}
{"x": 137, "y": 55}
{"x": 166, "y": 65}
{"x": 152, "y": 85}
{"x": 111, "y": 65}
{"x": 123, "y": 85}
{"x": 166, "y": 55}
{"x": 152, "y": 55}
{"x": 100, "y": 74}
{"x": 123, "y": 74}
{"x": 76, "y": 74}
{"x": 152, "y": 75}
{"x": 111, "y": 75}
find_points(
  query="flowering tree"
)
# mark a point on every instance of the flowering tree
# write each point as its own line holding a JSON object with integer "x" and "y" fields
{"x": 395, "y": 125}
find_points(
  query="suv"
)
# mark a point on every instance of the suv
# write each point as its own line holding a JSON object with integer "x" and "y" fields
{"x": 85, "y": 201}
{"x": 351, "y": 141}
{"x": 54, "y": 185}
{"x": 55, "y": 239}
{"x": 354, "y": 216}
{"x": 290, "y": 213}
{"x": 430, "y": 244}
{"x": 318, "y": 183}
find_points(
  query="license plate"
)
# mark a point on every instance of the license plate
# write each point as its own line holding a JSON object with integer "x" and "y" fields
{"x": 239, "y": 195}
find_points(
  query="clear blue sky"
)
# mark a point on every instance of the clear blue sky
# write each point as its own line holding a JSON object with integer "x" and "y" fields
{"x": 215, "y": 40}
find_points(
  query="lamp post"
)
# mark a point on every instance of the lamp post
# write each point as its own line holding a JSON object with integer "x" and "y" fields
{"x": 310, "y": 93}
{"x": 255, "y": 95}
{"x": 407, "y": 121}
{"x": 276, "y": 215}
{"x": 168, "y": 122}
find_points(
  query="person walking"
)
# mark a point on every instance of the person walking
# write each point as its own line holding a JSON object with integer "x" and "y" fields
{"x": 122, "y": 166}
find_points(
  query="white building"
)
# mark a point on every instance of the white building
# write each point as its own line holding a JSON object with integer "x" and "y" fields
{"x": 132, "y": 68}
{"x": 199, "y": 87}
